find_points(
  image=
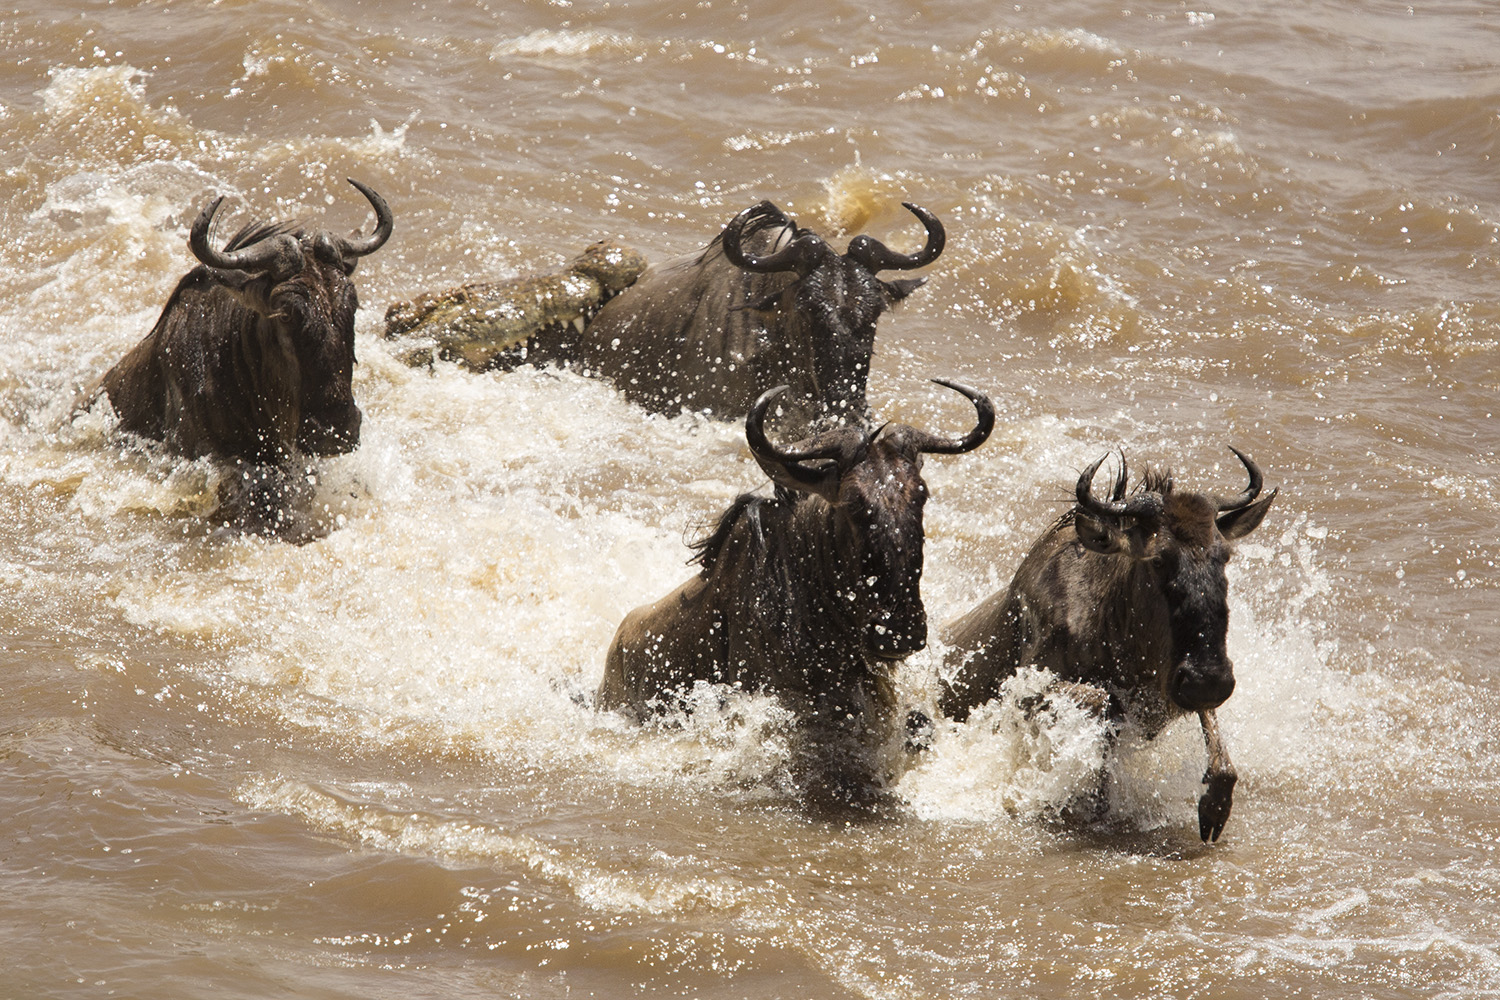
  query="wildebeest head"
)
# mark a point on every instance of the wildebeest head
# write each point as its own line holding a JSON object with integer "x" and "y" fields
{"x": 297, "y": 283}
{"x": 837, "y": 296}
{"x": 873, "y": 483}
{"x": 1185, "y": 540}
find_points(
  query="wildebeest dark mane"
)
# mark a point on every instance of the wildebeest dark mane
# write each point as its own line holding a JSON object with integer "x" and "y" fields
{"x": 1062, "y": 521}
{"x": 251, "y": 232}
{"x": 774, "y": 554}
{"x": 706, "y": 550}
{"x": 1155, "y": 480}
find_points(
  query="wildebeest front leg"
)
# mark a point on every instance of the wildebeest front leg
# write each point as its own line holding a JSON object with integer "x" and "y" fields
{"x": 1214, "y": 804}
{"x": 1093, "y": 805}
{"x": 836, "y": 756}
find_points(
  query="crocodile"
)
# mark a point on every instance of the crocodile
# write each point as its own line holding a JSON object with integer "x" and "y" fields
{"x": 486, "y": 325}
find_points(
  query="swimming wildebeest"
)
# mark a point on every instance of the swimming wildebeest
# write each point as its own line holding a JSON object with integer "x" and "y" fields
{"x": 811, "y": 595}
{"x": 252, "y": 359}
{"x": 765, "y": 303}
{"x": 1126, "y": 601}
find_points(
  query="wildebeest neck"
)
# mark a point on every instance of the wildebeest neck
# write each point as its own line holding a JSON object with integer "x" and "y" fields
{"x": 779, "y": 564}
{"x": 831, "y": 602}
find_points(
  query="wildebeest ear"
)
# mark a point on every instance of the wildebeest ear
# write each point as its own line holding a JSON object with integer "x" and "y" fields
{"x": 1097, "y": 536}
{"x": 1239, "y": 523}
{"x": 900, "y": 288}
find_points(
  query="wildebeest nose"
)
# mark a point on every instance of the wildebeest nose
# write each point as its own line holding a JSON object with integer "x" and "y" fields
{"x": 1197, "y": 689}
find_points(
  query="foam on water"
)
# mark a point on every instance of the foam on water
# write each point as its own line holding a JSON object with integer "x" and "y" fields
{"x": 564, "y": 47}
{"x": 1006, "y": 763}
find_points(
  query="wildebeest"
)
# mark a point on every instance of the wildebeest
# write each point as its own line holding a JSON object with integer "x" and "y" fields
{"x": 252, "y": 359}
{"x": 765, "y": 303}
{"x": 810, "y": 595}
{"x": 1125, "y": 600}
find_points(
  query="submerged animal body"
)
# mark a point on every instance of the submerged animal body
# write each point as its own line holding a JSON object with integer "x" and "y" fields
{"x": 252, "y": 359}
{"x": 1125, "y": 600}
{"x": 493, "y": 324}
{"x": 811, "y": 596}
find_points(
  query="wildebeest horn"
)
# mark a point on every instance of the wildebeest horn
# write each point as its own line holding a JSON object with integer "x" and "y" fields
{"x": 376, "y": 240}
{"x": 788, "y": 258}
{"x": 1252, "y": 491}
{"x": 1144, "y": 505}
{"x": 935, "y": 444}
{"x": 1122, "y": 478}
{"x": 784, "y": 465}
{"x": 281, "y": 253}
{"x": 876, "y": 256}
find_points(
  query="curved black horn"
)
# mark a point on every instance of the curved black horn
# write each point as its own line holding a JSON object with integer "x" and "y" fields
{"x": 1142, "y": 505}
{"x": 786, "y": 259}
{"x": 282, "y": 253}
{"x": 876, "y": 256}
{"x": 784, "y": 465}
{"x": 1090, "y": 504}
{"x": 376, "y": 240}
{"x": 1122, "y": 479}
{"x": 1252, "y": 491}
{"x": 938, "y": 444}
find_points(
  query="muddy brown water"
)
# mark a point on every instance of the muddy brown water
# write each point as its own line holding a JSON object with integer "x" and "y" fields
{"x": 361, "y": 768}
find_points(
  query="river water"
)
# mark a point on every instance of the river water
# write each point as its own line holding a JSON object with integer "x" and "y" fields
{"x": 366, "y": 766}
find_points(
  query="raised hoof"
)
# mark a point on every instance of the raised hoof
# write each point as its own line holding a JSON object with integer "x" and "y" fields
{"x": 1214, "y": 805}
